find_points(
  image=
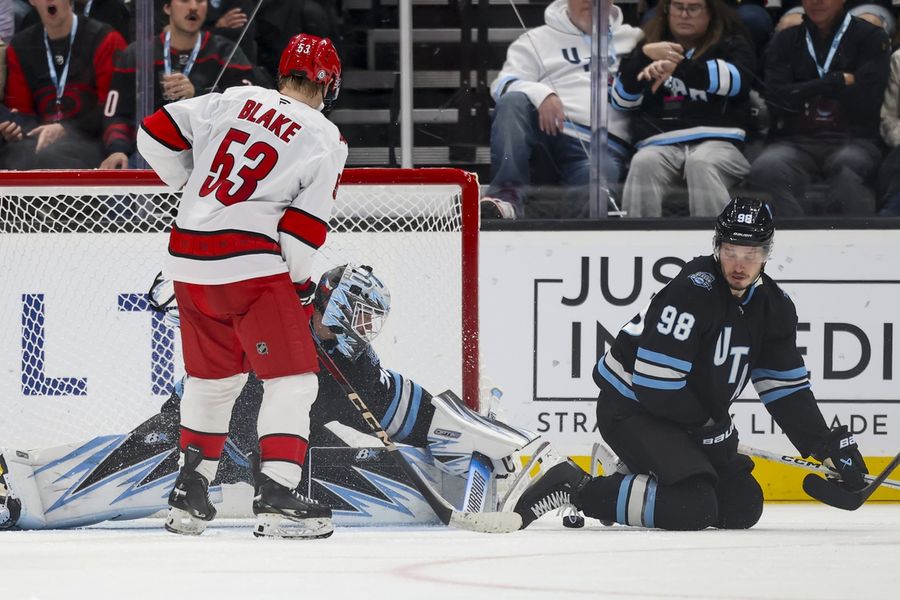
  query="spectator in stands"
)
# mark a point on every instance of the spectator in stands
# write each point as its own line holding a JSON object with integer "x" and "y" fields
{"x": 275, "y": 23}
{"x": 825, "y": 81}
{"x": 7, "y": 20}
{"x": 876, "y": 14}
{"x": 58, "y": 78}
{"x": 7, "y": 29}
{"x": 689, "y": 81}
{"x": 543, "y": 111}
{"x": 187, "y": 61}
{"x": 111, "y": 12}
{"x": 753, "y": 15}
{"x": 889, "y": 174}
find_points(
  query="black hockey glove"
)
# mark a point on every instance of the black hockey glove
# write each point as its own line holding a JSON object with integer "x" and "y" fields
{"x": 718, "y": 440}
{"x": 839, "y": 451}
{"x": 306, "y": 291}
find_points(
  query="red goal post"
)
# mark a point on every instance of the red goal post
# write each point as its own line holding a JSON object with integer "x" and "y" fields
{"x": 79, "y": 249}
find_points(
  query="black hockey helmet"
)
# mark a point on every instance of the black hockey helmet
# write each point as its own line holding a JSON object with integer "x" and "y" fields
{"x": 745, "y": 221}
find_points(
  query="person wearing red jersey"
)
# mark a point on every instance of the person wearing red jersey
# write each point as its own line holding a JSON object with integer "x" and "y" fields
{"x": 58, "y": 80}
{"x": 187, "y": 62}
{"x": 258, "y": 170}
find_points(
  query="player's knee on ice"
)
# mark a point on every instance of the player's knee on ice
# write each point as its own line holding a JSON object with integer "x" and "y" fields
{"x": 639, "y": 500}
{"x": 739, "y": 496}
{"x": 735, "y": 501}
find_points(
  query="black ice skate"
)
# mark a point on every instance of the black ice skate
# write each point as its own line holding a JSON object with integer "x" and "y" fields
{"x": 10, "y": 507}
{"x": 555, "y": 489}
{"x": 190, "y": 508}
{"x": 283, "y": 512}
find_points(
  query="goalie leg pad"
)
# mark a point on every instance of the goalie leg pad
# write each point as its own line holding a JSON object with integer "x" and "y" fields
{"x": 456, "y": 432}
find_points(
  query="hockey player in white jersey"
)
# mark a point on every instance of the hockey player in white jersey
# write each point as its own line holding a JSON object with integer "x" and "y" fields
{"x": 258, "y": 170}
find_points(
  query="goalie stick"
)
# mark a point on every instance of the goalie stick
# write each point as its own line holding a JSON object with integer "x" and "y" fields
{"x": 793, "y": 461}
{"x": 492, "y": 522}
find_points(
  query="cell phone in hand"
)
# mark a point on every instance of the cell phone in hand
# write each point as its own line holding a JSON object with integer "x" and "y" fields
{"x": 6, "y": 114}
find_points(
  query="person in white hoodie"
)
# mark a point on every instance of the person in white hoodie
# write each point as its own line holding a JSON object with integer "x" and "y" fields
{"x": 543, "y": 99}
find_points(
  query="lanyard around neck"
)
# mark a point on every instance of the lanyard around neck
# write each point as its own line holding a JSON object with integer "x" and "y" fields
{"x": 59, "y": 81}
{"x": 87, "y": 8}
{"x": 167, "y": 54}
{"x": 823, "y": 69}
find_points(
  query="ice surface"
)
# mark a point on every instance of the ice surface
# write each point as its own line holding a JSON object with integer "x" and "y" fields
{"x": 797, "y": 551}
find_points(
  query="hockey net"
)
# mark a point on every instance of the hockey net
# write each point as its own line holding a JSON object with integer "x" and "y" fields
{"x": 82, "y": 354}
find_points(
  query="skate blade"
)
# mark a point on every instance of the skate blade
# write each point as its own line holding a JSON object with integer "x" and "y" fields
{"x": 184, "y": 523}
{"x": 278, "y": 526}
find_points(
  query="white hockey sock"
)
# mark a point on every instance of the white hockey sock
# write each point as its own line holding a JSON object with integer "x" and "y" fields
{"x": 283, "y": 426}
{"x": 206, "y": 411}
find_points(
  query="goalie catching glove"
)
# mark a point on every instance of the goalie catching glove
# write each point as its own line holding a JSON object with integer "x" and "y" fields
{"x": 838, "y": 450}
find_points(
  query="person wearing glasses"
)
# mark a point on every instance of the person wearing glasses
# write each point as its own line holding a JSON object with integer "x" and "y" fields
{"x": 688, "y": 85}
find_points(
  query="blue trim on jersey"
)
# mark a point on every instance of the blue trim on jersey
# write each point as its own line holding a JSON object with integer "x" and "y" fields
{"x": 781, "y": 393}
{"x": 606, "y": 374}
{"x": 620, "y": 90}
{"x": 797, "y": 373}
{"x": 664, "y": 359}
{"x": 657, "y": 383}
{"x": 622, "y": 501}
{"x": 750, "y": 295}
{"x": 389, "y": 414}
{"x": 735, "y": 79}
{"x": 650, "y": 504}
{"x": 713, "y": 68}
{"x": 411, "y": 414}
{"x": 709, "y": 135}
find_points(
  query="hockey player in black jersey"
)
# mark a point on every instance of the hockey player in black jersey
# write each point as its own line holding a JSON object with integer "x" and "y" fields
{"x": 667, "y": 383}
{"x": 130, "y": 476}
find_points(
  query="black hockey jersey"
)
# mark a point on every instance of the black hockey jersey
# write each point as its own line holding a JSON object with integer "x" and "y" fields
{"x": 706, "y": 98}
{"x": 120, "y": 129}
{"x": 690, "y": 353}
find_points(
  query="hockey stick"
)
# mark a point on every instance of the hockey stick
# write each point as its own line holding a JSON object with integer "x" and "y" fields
{"x": 832, "y": 494}
{"x": 800, "y": 463}
{"x": 236, "y": 45}
{"x": 492, "y": 522}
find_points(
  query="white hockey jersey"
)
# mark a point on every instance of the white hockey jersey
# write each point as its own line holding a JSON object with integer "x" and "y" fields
{"x": 258, "y": 172}
{"x": 556, "y": 59}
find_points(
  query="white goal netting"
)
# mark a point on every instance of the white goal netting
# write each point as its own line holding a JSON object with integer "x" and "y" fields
{"x": 81, "y": 354}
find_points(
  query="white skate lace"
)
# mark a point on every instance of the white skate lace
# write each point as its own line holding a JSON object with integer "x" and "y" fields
{"x": 558, "y": 499}
{"x": 567, "y": 510}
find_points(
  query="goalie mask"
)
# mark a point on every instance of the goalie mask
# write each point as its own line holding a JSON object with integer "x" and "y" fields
{"x": 354, "y": 304}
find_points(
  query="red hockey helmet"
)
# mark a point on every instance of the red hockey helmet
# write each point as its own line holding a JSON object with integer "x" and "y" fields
{"x": 315, "y": 59}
